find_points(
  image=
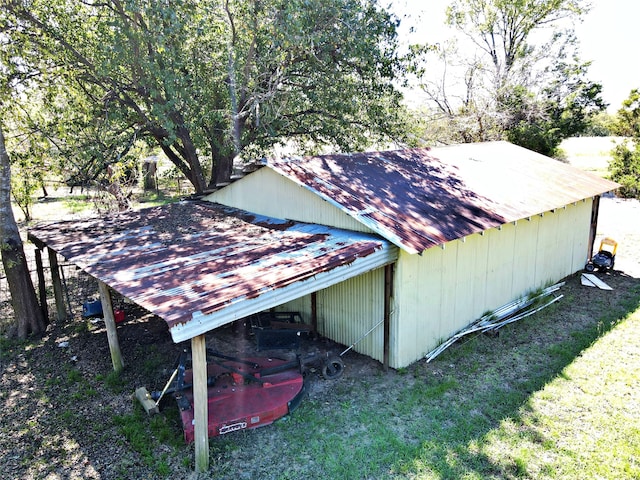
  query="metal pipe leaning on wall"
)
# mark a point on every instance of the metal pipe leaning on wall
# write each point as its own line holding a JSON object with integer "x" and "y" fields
{"x": 508, "y": 313}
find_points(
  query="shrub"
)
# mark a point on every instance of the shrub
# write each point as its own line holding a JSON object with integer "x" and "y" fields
{"x": 624, "y": 168}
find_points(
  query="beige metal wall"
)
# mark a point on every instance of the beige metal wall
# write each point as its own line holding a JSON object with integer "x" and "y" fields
{"x": 268, "y": 193}
{"x": 347, "y": 311}
{"x": 445, "y": 289}
{"x": 435, "y": 293}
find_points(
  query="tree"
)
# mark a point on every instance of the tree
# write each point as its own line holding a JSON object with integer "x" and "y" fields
{"x": 29, "y": 316}
{"x": 563, "y": 108}
{"x": 624, "y": 166}
{"x": 533, "y": 94}
{"x": 502, "y": 30}
{"x": 209, "y": 80}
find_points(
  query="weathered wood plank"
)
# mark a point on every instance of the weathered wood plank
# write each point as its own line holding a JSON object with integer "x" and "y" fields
{"x": 200, "y": 404}
{"x": 57, "y": 285}
{"x": 110, "y": 324}
{"x": 42, "y": 287}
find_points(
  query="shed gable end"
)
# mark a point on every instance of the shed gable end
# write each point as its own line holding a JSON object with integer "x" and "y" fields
{"x": 268, "y": 193}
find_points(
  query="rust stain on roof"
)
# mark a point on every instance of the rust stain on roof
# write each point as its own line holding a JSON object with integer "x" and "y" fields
{"x": 200, "y": 257}
{"x": 420, "y": 198}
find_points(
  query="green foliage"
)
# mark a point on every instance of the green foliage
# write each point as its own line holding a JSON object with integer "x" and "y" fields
{"x": 503, "y": 29}
{"x": 600, "y": 125}
{"x": 563, "y": 111}
{"x": 627, "y": 123}
{"x": 203, "y": 79}
{"x": 532, "y": 94}
{"x": 624, "y": 168}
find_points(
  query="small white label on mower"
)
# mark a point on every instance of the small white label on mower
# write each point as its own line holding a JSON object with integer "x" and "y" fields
{"x": 232, "y": 428}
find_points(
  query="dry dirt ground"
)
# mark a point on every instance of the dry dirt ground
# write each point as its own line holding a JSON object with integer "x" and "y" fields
{"x": 62, "y": 413}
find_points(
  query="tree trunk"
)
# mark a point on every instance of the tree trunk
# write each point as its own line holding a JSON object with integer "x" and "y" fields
{"x": 221, "y": 165}
{"x": 222, "y": 169}
{"x": 28, "y": 315}
{"x": 149, "y": 169}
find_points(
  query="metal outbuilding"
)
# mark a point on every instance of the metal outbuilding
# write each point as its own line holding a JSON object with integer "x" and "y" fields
{"x": 199, "y": 265}
{"x": 478, "y": 225}
{"x": 408, "y": 245}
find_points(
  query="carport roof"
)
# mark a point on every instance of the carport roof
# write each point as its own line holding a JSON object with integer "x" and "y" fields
{"x": 200, "y": 265}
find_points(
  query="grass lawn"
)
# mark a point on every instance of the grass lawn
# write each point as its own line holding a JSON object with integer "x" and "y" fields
{"x": 583, "y": 424}
{"x": 565, "y": 409}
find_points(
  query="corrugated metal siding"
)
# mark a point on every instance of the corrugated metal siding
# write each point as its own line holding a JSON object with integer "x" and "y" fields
{"x": 347, "y": 311}
{"x": 445, "y": 289}
{"x": 350, "y": 309}
{"x": 273, "y": 195}
{"x": 301, "y": 305}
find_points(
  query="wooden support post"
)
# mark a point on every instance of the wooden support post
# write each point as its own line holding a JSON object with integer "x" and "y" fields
{"x": 42, "y": 287}
{"x": 57, "y": 285}
{"x": 200, "y": 402}
{"x": 314, "y": 312}
{"x": 388, "y": 292}
{"x": 110, "y": 323}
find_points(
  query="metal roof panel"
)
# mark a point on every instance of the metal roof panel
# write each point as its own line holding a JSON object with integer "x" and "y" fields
{"x": 420, "y": 198}
{"x": 198, "y": 261}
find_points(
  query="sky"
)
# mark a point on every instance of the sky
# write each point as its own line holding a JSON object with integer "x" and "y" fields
{"x": 609, "y": 37}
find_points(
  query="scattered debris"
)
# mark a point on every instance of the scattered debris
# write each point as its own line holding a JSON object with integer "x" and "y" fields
{"x": 509, "y": 313}
{"x": 590, "y": 280}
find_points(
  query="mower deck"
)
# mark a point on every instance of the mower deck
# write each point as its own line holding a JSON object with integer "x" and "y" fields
{"x": 244, "y": 393}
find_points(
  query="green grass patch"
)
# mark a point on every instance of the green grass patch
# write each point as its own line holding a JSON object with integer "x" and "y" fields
{"x": 75, "y": 204}
{"x": 114, "y": 381}
{"x": 152, "y": 360}
{"x": 584, "y": 423}
{"x": 155, "y": 199}
{"x": 144, "y": 434}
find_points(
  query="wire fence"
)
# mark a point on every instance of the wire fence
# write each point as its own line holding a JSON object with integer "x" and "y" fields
{"x": 78, "y": 287}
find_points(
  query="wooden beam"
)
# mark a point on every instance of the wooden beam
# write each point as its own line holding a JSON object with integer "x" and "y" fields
{"x": 388, "y": 293}
{"x": 200, "y": 403}
{"x": 314, "y": 312}
{"x": 110, "y": 323}
{"x": 57, "y": 285}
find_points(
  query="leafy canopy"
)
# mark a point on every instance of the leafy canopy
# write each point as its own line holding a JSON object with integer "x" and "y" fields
{"x": 624, "y": 166}
{"x": 524, "y": 80}
{"x": 206, "y": 80}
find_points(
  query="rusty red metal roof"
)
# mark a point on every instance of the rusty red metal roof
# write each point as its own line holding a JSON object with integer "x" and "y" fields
{"x": 199, "y": 265}
{"x": 420, "y": 198}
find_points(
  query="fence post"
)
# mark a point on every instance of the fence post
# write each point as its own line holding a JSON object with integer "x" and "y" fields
{"x": 57, "y": 285}
{"x": 42, "y": 287}
{"x": 110, "y": 324}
